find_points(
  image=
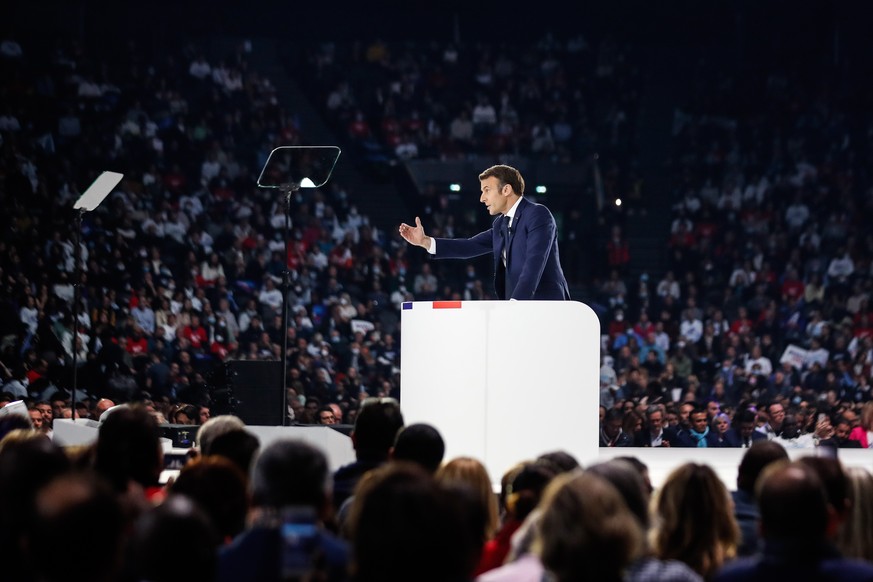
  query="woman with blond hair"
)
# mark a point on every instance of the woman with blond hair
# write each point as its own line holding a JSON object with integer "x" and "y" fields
{"x": 694, "y": 521}
{"x": 469, "y": 474}
{"x": 855, "y": 536}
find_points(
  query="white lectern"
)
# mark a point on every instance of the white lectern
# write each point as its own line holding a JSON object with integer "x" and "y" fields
{"x": 503, "y": 381}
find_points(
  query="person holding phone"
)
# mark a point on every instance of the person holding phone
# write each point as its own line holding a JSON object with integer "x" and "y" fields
{"x": 291, "y": 501}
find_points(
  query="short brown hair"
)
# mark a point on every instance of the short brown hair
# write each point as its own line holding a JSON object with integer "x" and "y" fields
{"x": 506, "y": 175}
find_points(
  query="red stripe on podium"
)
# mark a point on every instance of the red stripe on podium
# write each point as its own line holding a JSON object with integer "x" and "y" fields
{"x": 446, "y": 304}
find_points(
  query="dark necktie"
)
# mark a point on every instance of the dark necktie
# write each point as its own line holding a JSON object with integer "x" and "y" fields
{"x": 504, "y": 233}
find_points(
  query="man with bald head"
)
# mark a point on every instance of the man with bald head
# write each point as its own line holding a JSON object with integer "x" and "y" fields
{"x": 102, "y": 406}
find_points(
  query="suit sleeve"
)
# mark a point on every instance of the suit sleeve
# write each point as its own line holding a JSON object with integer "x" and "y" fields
{"x": 540, "y": 234}
{"x": 464, "y": 248}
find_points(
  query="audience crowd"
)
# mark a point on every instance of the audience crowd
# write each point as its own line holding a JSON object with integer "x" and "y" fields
{"x": 558, "y": 99}
{"x": 181, "y": 266}
{"x": 762, "y": 317}
{"x": 238, "y": 510}
{"x": 758, "y": 335}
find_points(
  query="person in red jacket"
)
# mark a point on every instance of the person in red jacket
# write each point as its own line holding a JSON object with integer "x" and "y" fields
{"x": 195, "y": 333}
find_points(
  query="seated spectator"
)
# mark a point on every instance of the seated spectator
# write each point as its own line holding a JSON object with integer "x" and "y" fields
{"x": 290, "y": 481}
{"x": 375, "y": 430}
{"x": 699, "y": 434}
{"x": 587, "y": 531}
{"x": 326, "y": 415}
{"x": 238, "y": 446}
{"x": 611, "y": 431}
{"x": 720, "y": 426}
{"x": 219, "y": 488}
{"x": 698, "y": 529}
{"x": 214, "y": 427}
{"x": 797, "y": 544}
{"x": 128, "y": 454}
{"x": 28, "y": 461}
{"x": 743, "y": 433}
{"x": 839, "y": 438}
{"x": 854, "y": 536}
{"x": 633, "y": 487}
{"x": 73, "y": 514}
{"x": 185, "y": 414}
{"x": 760, "y": 455}
{"x": 655, "y": 434}
{"x": 421, "y": 444}
{"x": 864, "y": 432}
{"x": 404, "y": 524}
{"x": 176, "y": 523}
{"x": 470, "y": 474}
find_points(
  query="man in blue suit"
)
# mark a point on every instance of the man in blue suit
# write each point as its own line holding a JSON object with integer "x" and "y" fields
{"x": 523, "y": 240}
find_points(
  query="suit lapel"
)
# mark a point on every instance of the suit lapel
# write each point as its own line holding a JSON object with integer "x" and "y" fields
{"x": 516, "y": 221}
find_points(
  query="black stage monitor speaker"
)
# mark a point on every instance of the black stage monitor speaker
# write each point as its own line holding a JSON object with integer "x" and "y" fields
{"x": 182, "y": 435}
{"x": 255, "y": 390}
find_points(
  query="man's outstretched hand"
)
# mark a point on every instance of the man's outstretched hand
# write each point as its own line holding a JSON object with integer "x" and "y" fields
{"x": 414, "y": 235}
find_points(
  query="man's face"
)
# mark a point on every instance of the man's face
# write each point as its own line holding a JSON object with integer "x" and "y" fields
{"x": 746, "y": 429}
{"x": 36, "y": 418}
{"x": 841, "y": 431}
{"x": 612, "y": 427}
{"x": 684, "y": 411}
{"x": 57, "y": 407}
{"x": 698, "y": 421}
{"x": 204, "y": 414}
{"x": 46, "y": 411}
{"x": 494, "y": 196}
{"x": 656, "y": 422}
{"x": 712, "y": 409}
{"x": 326, "y": 417}
{"x": 777, "y": 415}
{"x": 789, "y": 428}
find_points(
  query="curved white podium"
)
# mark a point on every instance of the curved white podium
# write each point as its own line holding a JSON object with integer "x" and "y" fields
{"x": 503, "y": 381}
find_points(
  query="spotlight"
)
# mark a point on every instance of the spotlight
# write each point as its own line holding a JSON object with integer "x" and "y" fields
{"x": 455, "y": 187}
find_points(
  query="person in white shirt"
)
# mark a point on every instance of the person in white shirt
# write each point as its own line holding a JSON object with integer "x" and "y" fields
{"x": 841, "y": 267}
{"x": 668, "y": 286}
{"x": 270, "y": 295}
{"x": 765, "y": 366}
{"x": 29, "y": 314}
{"x": 690, "y": 329}
{"x": 797, "y": 214}
{"x": 200, "y": 68}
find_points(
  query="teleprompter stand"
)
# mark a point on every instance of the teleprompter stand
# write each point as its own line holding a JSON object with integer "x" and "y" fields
{"x": 288, "y": 169}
